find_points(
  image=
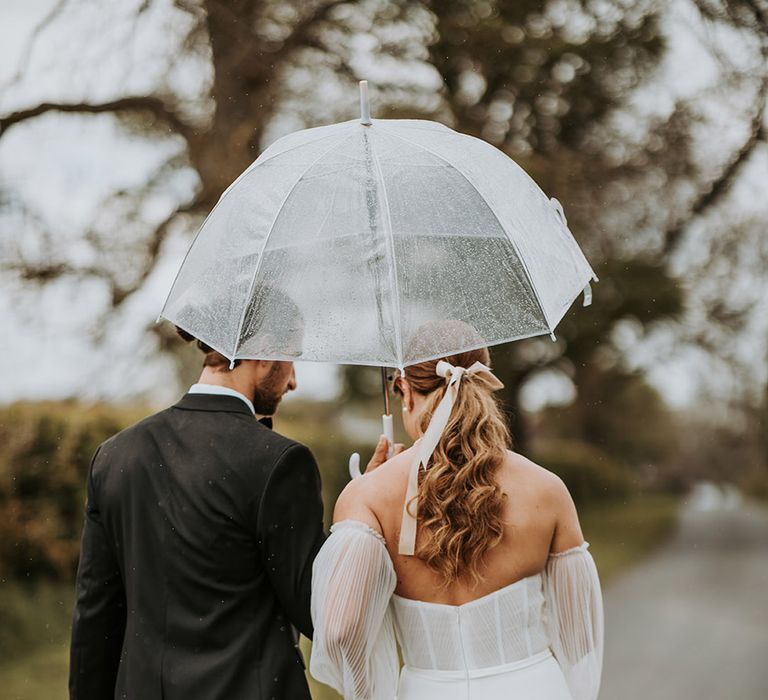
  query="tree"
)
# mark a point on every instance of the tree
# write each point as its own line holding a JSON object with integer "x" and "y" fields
{"x": 554, "y": 84}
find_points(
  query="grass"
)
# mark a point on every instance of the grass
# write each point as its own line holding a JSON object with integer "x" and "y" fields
{"x": 34, "y": 640}
{"x": 34, "y": 623}
{"x": 40, "y": 675}
{"x": 621, "y": 534}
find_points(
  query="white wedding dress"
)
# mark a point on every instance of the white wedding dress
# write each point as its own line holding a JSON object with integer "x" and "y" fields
{"x": 540, "y": 638}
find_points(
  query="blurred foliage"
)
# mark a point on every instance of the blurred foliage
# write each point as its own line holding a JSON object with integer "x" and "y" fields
{"x": 622, "y": 533}
{"x": 726, "y": 450}
{"x": 620, "y": 414}
{"x": 532, "y": 76}
{"x": 590, "y": 474}
{"x": 46, "y": 451}
{"x": 635, "y": 292}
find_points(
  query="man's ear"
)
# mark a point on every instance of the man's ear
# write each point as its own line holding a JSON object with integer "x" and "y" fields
{"x": 264, "y": 367}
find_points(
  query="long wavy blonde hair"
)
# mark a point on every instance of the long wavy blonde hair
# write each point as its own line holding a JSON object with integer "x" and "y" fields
{"x": 460, "y": 501}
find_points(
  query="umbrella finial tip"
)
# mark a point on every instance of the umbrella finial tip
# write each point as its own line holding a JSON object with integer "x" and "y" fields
{"x": 365, "y": 106}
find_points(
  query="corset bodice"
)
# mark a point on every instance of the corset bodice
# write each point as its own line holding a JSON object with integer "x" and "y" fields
{"x": 500, "y": 628}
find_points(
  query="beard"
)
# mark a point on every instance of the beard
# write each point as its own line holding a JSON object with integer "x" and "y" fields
{"x": 268, "y": 394}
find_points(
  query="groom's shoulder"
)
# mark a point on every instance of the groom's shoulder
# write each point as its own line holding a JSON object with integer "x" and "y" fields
{"x": 268, "y": 442}
{"x": 236, "y": 427}
{"x": 129, "y": 434}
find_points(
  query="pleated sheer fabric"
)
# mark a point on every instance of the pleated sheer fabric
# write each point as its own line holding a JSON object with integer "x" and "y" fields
{"x": 357, "y": 618}
{"x": 353, "y": 648}
{"x": 574, "y": 619}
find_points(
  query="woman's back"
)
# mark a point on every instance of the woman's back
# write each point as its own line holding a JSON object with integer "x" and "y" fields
{"x": 530, "y": 628}
{"x": 535, "y": 501}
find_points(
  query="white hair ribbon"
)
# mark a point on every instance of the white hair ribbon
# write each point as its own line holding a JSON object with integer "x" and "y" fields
{"x": 428, "y": 442}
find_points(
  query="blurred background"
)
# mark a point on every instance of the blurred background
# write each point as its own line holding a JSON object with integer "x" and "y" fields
{"x": 122, "y": 123}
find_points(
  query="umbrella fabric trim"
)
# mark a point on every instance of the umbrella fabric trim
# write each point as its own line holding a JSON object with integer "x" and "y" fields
{"x": 369, "y": 363}
{"x": 266, "y": 241}
{"x": 490, "y": 208}
{"x": 396, "y": 312}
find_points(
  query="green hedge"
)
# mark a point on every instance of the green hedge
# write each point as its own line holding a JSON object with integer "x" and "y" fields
{"x": 45, "y": 450}
{"x": 590, "y": 474}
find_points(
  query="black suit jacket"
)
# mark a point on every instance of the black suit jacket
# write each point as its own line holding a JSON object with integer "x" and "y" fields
{"x": 201, "y": 527}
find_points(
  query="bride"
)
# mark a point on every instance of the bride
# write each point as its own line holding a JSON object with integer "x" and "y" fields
{"x": 493, "y": 595}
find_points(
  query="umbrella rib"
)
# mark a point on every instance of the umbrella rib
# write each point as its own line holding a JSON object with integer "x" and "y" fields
{"x": 266, "y": 241}
{"x": 245, "y": 172}
{"x": 501, "y": 226}
{"x": 393, "y": 267}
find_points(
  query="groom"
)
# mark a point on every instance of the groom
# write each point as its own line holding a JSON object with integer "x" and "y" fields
{"x": 201, "y": 527}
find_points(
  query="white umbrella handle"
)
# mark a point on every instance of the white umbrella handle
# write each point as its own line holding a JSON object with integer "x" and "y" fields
{"x": 354, "y": 466}
{"x": 389, "y": 433}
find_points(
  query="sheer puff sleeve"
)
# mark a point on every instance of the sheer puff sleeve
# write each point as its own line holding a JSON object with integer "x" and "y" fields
{"x": 353, "y": 649}
{"x": 574, "y": 618}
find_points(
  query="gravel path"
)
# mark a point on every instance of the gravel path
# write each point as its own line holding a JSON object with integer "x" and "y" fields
{"x": 691, "y": 623}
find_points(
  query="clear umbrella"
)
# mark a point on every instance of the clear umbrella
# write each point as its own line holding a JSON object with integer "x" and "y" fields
{"x": 339, "y": 243}
{"x": 370, "y": 229}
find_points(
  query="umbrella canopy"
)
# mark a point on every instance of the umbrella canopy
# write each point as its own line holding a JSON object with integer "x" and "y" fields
{"x": 339, "y": 243}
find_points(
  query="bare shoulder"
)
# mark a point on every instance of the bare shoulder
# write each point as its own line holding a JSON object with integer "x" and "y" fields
{"x": 550, "y": 490}
{"x": 544, "y": 483}
{"x": 368, "y": 496}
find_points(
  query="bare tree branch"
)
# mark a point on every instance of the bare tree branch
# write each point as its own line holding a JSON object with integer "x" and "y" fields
{"x": 154, "y": 246}
{"x": 719, "y": 187}
{"x": 145, "y": 103}
{"x": 42, "y": 273}
{"x": 29, "y": 47}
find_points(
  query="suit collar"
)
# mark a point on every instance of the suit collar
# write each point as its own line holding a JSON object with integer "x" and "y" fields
{"x": 219, "y": 403}
{"x": 213, "y": 402}
{"x": 221, "y": 390}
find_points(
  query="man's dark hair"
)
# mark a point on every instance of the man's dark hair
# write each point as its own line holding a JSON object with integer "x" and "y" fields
{"x": 212, "y": 357}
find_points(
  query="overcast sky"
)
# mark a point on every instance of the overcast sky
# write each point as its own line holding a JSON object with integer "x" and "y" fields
{"x": 68, "y": 164}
